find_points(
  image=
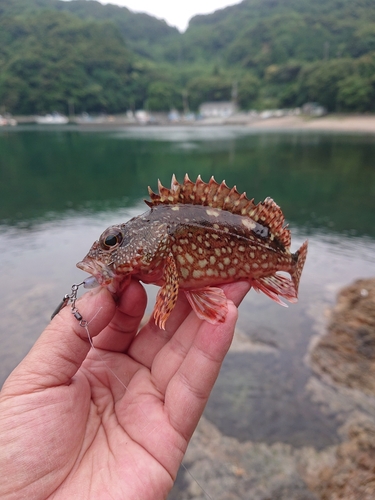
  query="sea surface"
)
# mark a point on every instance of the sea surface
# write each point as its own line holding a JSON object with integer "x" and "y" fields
{"x": 60, "y": 187}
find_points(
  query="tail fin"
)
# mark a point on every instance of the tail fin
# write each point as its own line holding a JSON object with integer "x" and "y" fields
{"x": 300, "y": 257}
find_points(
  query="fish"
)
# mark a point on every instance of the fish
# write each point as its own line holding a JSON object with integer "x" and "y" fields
{"x": 195, "y": 237}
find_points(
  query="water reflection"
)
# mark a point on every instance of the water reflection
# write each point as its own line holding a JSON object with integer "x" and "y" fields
{"x": 61, "y": 189}
{"x": 320, "y": 180}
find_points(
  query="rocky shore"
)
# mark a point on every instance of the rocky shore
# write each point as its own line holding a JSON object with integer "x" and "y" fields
{"x": 346, "y": 354}
{"x": 342, "y": 359}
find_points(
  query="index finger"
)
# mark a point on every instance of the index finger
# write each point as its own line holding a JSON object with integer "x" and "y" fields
{"x": 120, "y": 332}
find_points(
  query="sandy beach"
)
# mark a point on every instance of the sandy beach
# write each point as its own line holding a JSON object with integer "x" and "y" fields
{"x": 339, "y": 123}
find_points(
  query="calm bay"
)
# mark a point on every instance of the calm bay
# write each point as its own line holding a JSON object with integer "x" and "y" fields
{"x": 61, "y": 187}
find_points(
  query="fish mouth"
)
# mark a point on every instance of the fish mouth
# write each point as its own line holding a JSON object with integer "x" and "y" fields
{"x": 103, "y": 274}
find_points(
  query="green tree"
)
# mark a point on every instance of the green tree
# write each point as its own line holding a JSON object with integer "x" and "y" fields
{"x": 355, "y": 94}
{"x": 248, "y": 91}
{"x": 163, "y": 96}
{"x": 363, "y": 40}
{"x": 208, "y": 88}
{"x": 283, "y": 73}
{"x": 320, "y": 81}
{"x": 54, "y": 58}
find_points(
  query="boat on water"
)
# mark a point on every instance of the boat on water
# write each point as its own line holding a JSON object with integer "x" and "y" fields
{"x": 52, "y": 119}
{"x": 7, "y": 121}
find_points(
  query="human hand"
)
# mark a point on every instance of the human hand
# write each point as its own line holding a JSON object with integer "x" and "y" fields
{"x": 114, "y": 422}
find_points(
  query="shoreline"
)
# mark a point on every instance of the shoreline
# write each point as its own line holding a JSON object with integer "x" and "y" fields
{"x": 327, "y": 123}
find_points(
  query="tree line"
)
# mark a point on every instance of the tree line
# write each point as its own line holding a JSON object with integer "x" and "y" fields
{"x": 90, "y": 57}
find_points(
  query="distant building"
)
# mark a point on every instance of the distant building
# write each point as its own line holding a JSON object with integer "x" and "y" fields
{"x": 219, "y": 109}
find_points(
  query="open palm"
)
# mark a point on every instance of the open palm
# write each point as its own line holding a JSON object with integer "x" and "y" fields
{"x": 113, "y": 422}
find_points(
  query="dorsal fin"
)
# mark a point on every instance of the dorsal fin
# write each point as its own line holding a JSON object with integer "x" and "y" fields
{"x": 222, "y": 197}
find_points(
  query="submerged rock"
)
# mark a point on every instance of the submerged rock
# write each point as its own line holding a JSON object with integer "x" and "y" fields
{"x": 343, "y": 360}
{"x": 347, "y": 352}
{"x": 351, "y": 476}
{"x": 223, "y": 468}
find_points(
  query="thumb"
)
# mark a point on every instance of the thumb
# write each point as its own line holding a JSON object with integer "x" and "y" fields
{"x": 63, "y": 346}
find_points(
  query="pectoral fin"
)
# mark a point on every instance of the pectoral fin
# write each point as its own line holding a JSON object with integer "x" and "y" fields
{"x": 209, "y": 303}
{"x": 168, "y": 293}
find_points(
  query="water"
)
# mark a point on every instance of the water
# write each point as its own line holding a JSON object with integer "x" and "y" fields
{"x": 61, "y": 188}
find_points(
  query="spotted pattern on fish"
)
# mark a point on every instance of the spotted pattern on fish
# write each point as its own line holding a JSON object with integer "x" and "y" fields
{"x": 195, "y": 237}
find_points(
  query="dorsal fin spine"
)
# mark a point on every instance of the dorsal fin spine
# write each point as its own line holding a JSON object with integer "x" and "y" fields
{"x": 220, "y": 196}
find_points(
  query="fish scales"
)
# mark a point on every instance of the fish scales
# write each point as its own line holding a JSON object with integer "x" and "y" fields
{"x": 196, "y": 237}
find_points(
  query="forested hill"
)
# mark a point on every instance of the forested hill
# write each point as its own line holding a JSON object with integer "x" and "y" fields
{"x": 277, "y": 53}
{"x": 261, "y": 32}
{"x": 140, "y": 30}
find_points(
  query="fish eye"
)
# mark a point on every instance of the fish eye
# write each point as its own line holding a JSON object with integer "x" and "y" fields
{"x": 111, "y": 239}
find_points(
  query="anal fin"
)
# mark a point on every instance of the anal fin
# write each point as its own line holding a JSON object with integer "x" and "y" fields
{"x": 168, "y": 293}
{"x": 276, "y": 286}
{"x": 208, "y": 303}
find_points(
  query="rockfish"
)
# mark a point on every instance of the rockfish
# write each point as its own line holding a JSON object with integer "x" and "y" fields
{"x": 195, "y": 237}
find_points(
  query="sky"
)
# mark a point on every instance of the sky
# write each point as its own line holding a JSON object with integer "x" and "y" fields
{"x": 174, "y": 12}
